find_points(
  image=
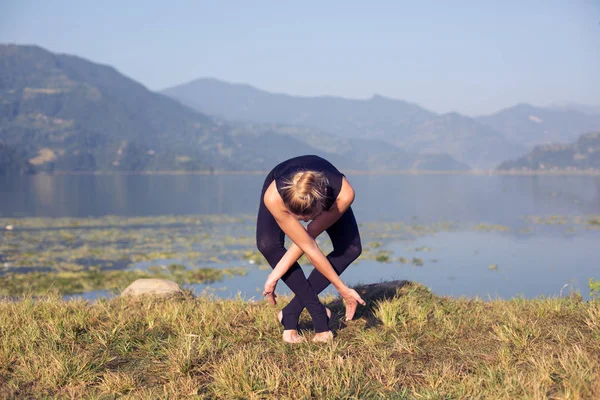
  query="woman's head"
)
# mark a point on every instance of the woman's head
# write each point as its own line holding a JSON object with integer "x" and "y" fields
{"x": 304, "y": 193}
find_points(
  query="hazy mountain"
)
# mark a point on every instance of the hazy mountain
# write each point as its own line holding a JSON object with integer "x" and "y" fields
{"x": 582, "y": 108}
{"x": 371, "y": 118}
{"x": 63, "y": 113}
{"x": 583, "y": 154}
{"x": 363, "y": 154}
{"x": 13, "y": 161}
{"x": 397, "y": 122}
{"x": 464, "y": 139}
{"x": 530, "y": 126}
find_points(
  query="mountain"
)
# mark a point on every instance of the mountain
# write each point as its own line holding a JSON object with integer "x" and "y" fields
{"x": 530, "y": 126}
{"x": 63, "y": 113}
{"x": 463, "y": 138}
{"x": 361, "y": 154}
{"x": 13, "y": 161}
{"x": 371, "y": 118}
{"x": 582, "y": 108}
{"x": 397, "y": 122}
{"x": 581, "y": 155}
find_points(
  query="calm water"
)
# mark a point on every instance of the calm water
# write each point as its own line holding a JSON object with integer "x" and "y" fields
{"x": 539, "y": 263}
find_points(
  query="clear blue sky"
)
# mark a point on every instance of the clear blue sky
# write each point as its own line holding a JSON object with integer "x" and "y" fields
{"x": 473, "y": 57}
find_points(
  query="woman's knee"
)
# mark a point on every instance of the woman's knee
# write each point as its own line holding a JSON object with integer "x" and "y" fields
{"x": 349, "y": 253}
{"x": 354, "y": 250}
{"x": 268, "y": 248}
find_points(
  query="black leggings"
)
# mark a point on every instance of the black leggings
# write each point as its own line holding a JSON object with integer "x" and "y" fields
{"x": 346, "y": 248}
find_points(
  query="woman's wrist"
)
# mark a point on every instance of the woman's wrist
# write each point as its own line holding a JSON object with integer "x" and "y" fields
{"x": 342, "y": 288}
{"x": 272, "y": 277}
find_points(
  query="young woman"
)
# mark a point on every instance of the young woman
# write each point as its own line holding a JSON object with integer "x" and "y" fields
{"x": 302, "y": 189}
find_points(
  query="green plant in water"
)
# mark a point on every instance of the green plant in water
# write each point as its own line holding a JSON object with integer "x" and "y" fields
{"x": 383, "y": 256}
{"x": 417, "y": 262}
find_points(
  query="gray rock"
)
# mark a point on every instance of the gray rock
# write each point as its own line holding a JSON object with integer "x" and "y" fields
{"x": 155, "y": 287}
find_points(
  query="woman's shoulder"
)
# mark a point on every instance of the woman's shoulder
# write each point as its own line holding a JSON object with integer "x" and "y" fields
{"x": 271, "y": 197}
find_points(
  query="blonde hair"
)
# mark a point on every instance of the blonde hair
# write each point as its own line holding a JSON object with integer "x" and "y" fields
{"x": 304, "y": 194}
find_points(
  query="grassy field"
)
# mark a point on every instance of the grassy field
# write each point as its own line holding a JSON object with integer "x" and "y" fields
{"x": 406, "y": 343}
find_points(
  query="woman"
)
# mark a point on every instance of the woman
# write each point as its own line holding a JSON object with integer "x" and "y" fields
{"x": 307, "y": 188}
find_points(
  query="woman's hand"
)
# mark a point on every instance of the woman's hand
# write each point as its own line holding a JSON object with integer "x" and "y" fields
{"x": 269, "y": 290}
{"x": 351, "y": 298}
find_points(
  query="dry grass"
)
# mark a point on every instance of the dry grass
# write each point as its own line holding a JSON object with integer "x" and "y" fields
{"x": 407, "y": 344}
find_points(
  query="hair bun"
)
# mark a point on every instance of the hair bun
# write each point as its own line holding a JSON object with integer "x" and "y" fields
{"x": 304, "y": 193}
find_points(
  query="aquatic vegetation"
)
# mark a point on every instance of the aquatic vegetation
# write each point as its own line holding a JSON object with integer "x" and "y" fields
{"x": 109, "y": 243}
{"x": 594, "y": 221}
{"x": 423, "y": 248}
{"x": 255, "y": 257}
{"x": 492, "y": 227}
{"x": 78, "y": 245}
{"x": 417, "y": 262}
{"x": 383, "y": 256}
{"x": 39, "y": 283}
{"x": 409, "y": 345}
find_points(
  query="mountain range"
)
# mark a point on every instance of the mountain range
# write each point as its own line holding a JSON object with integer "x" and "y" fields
{"x": 63, "y": 113}
{"x": 481, "y": 142}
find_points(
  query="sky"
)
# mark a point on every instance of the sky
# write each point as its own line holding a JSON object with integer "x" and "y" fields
{"x": 472, "y": 57}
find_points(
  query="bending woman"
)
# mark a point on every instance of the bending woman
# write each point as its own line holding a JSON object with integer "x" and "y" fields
{"x": 302, "y": 189}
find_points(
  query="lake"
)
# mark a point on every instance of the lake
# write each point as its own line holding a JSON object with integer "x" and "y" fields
{"x": 509, "y": 235}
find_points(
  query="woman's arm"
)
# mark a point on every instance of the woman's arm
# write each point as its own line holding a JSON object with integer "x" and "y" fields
{"x": 319, "y": 224}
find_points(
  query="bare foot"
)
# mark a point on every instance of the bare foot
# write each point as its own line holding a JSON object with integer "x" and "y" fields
{"x": 323, "y": 337}
{"x": 292, "y": 336}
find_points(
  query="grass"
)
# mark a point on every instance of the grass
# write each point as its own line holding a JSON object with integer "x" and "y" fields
{"x": 406, "y": 343}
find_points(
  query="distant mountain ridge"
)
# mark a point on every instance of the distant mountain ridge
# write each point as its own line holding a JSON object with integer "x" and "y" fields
{"x": 482, "y": 142}
{"x": 583, "y": 154}
{"x": 582, "y": 108}
{"x": 337, "y": 115}
{"x": 533, "y": 126}
{"x": 63, "y": 113}
{"x": 397, "y": 122}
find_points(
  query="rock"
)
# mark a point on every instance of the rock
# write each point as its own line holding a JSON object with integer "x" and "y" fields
{"x": 373, "y": 292}
{"x": 155, "y": 287}
{"x": 381, "y": 290}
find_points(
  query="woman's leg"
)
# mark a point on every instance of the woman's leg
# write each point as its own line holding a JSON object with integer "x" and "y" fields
{"x": 270, "y": 242}
{"x": 346, "y": 248}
